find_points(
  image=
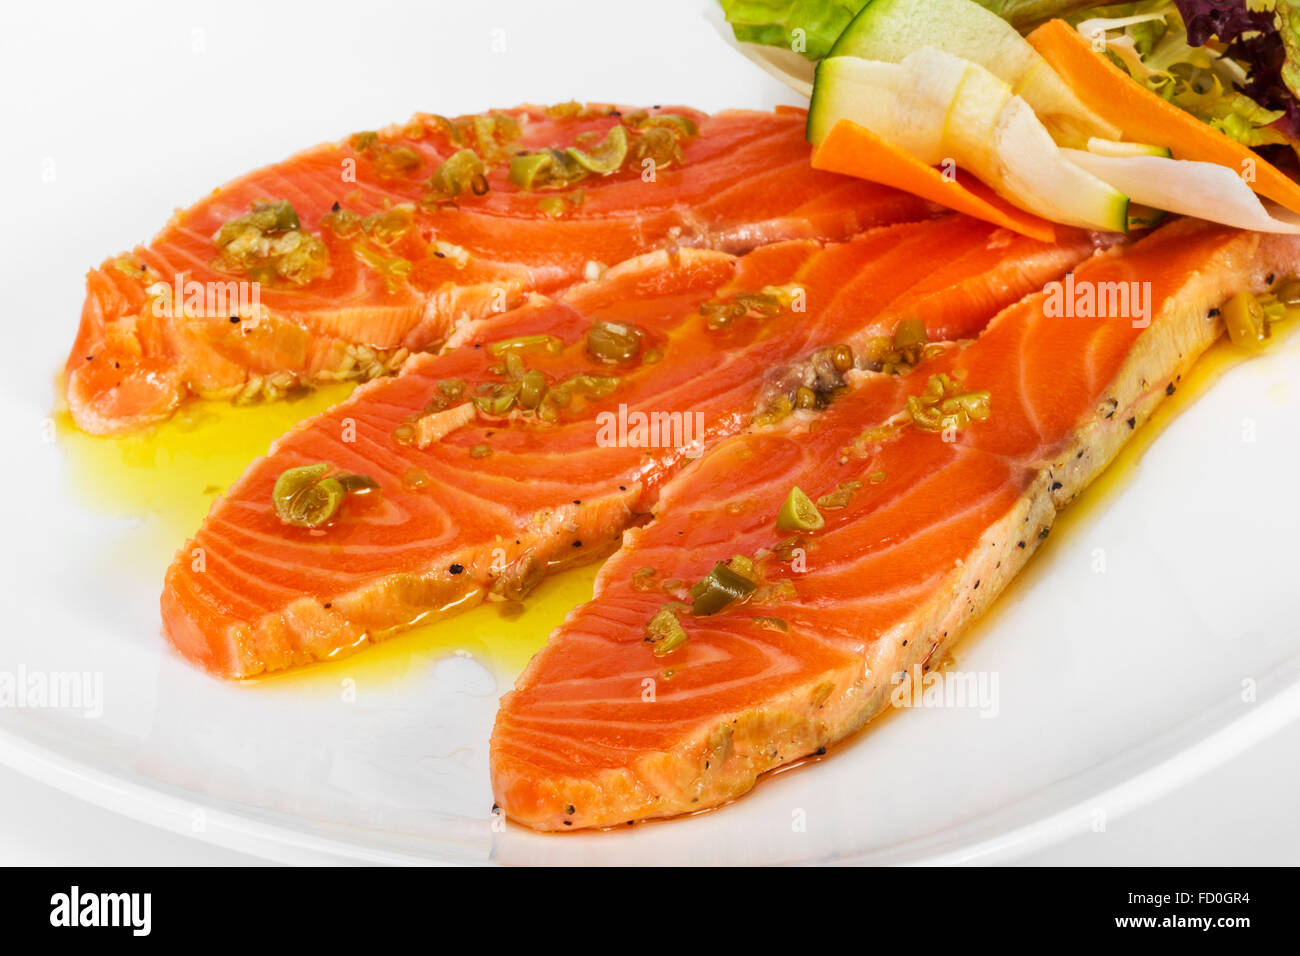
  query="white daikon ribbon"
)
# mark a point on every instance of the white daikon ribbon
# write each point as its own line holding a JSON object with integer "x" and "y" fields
{"x": 1204, "y": 190}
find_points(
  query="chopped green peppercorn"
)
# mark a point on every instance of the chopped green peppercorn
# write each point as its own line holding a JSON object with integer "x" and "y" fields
{"x": 665, "y": 631}
{"x": 719, "y": 588}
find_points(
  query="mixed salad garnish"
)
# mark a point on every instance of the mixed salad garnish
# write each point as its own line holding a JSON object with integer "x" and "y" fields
{"x": 1103, "y": 116}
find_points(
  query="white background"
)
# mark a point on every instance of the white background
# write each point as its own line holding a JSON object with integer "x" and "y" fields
{"x": 114, "y": 114}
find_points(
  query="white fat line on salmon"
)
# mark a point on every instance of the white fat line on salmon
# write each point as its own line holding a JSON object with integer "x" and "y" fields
{"x": 54, "y": 690}
{"x": 950, "y": 690}
{"x": 134, "y": 910}
{"x": 1098, "y": 300}
{"x": 233, "y": 300}
{"x": 651, "y": 430}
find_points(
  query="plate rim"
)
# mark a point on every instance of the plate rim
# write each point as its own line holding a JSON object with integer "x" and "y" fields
{"x": 155, "y": 804}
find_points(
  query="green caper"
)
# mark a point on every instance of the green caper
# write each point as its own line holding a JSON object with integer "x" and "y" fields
{"x": 514, "y": 365}
{"x": 1244, "y": 318}
{"x": 553, "y": 168}
{"x": 460, "y": 171}
{"x": 499, "y": 400}
{"x": 532, "y": 389}
{"x": 613, "y": 341}
{"x": 608, "y": 155}
{"x": 1288, "y": 293}
{"x": 303, "y": 497}
{"x": 525, "y": 168}
{"x": 799, "y": 513}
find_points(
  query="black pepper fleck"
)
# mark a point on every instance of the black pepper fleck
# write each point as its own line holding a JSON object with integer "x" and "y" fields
{"x": 456, "y": 568}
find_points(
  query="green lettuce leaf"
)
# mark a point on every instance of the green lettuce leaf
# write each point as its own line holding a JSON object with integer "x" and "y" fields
{"x": 808, "y": 27}
{"x": 1026, "y": 14}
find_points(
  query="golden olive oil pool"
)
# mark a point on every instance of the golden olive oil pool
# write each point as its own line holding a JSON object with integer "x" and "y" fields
{"x": 166, "y": 478}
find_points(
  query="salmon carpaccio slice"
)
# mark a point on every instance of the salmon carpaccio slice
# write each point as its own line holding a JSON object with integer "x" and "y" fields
{"x": 600, "y": 731}
{"x": 494, "y": 504}
{"x": 741, "y": 181}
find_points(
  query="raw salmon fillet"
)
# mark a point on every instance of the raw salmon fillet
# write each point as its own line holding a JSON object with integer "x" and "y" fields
{"x": 376, "y": 256}
{"x": 929, "y": 528}
{"x": 472, "y": 504}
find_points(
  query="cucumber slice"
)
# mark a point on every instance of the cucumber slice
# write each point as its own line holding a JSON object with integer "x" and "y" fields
{"x": 1144, "y": 217}
{"x": 879, "y": 96}
{"x": 889, "y": 30}
{"x": 1109, "y": 147}
{"x": 1036, "y": 175}
{"x": 940, "y": 107}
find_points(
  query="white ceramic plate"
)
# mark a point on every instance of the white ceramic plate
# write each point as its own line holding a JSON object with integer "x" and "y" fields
{"x": 1153, "y": 638}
